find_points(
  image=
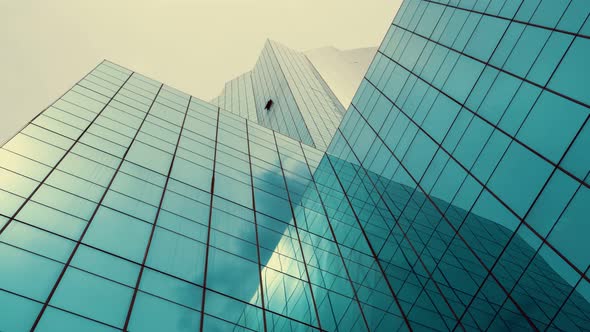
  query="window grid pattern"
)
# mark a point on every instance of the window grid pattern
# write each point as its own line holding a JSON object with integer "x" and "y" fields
{"x": 466, "y": 136}
{"x": 453, "y": 196}
{"x": 129, "y": 205}
{"x": 304, "y": 107}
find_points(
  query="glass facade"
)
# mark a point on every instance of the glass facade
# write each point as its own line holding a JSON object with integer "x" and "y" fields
{"x": 304, "y": 107}
{"x": 453, "y": 196}
{"x": 128, "y": 205}
{"x": 466, "y": 152}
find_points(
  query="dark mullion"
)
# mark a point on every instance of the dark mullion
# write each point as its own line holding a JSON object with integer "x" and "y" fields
{"x": 8, "y": 217}
{"x": 455, "y": 229}
{"x": 404, "y": 233}
{"x": 315, "y": 307}
{"x": 98, "y": 276}
{"x": 538, "y": 250}
{"x": 147, "y": 249}
{"x": 62, "y": 157}
{"x": 335, "y": 240}
{"x": 106, "y": 96}
{"x": 79, "y": 242}
{"x": 209, "y": 225}
{"x": 60, "y": 309}
{"x": 373, "y": 252}
{"x": 423, "y": 203}
{"x": 256, "y": 228}
{"x": 411, "y": 268}
{"x": 543, "y": 239}
{"x": 87, "y": 144}
{"x": 130, "y": 261}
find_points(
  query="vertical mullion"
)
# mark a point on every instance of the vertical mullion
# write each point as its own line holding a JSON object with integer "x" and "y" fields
{"x": 209, "y": 224}
{"x": 256, "y": 228}
{"x": 147, "y": 249}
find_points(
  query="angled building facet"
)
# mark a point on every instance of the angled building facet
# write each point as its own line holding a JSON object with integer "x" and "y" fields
{"x": 303, "y": 106}
{"x": 464, "y": 156}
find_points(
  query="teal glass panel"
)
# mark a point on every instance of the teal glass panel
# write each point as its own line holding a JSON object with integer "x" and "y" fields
{"x": 55, "y": 319}
{"x": 551, "y": 125}
{"x": 37, "y": 241}
{"x": 451, "y": 196}
{"x": 519, "y": 177}
{"x": 119, "y": 234}
{"x": 151, "y": 313}
{"x": 177, "y": 255}
{"x": 19, "y": 313}
{"x": 93, "y": 297}
{"x": 27, "y": 274}
{"x": 105, "y": 265}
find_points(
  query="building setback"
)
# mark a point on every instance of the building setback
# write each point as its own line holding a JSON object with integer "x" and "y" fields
{"x": 454, "y": 194}
{"x": 300, "y": 103}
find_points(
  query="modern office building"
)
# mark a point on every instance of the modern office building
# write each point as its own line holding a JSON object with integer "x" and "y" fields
{"x": 286, "y": 93}
{"x": 454, "y": 195}
{"x": 340, "y": 73}
{"x": 470, "y": 134}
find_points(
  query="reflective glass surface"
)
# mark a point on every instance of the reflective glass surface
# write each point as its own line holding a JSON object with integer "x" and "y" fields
{"x": 129, "y": 205}
{"x": 454, "y": 195}
{"x": 461, "y": 158}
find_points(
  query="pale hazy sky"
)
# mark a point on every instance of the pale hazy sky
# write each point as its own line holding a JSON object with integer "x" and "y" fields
{"x": 195, "y": 46}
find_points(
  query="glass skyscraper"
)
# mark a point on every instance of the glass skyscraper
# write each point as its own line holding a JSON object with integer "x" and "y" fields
{"x": 303, "y": 106}
{"x": 454, "y": 195}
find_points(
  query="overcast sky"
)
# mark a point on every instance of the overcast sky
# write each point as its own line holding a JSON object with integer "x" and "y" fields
{"x": 193, "y": 45}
